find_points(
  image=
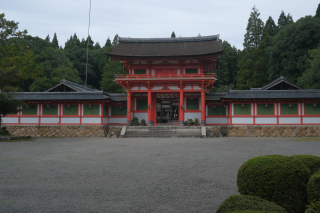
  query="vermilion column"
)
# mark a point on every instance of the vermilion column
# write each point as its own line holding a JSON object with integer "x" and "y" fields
{"x": 203, "y": 107}
{"x": 181, "y": 108}
{"x": 150, "y": 120}
{"x": 129, "y": 107}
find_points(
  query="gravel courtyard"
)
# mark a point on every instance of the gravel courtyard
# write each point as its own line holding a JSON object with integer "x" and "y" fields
{"x": 129, "y": 175}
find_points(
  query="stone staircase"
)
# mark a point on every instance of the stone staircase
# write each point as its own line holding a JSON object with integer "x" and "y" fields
{"x": 163, "y": 132}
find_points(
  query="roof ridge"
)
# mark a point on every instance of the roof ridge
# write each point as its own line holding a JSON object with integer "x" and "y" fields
{"x": 168, "y": 40}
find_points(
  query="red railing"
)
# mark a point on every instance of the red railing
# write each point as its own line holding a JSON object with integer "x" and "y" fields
{"x": 163, "y": 76}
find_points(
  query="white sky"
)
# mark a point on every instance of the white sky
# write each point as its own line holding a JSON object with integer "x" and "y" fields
{"x": 147, "y": 18}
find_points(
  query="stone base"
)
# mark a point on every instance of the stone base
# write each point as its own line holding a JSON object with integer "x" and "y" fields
{"x": 59, "y": 131}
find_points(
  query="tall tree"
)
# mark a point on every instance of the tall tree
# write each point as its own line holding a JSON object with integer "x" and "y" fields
{"x": 284, "y": 20}
{"x": 73, "y": 41}
{"x": 173, "y": 35}
{"x": 48, "y": 38}
{"x": 114, "y": 42}
{"x": 55, "y": 43}
{"x": 288, "y": 51}
{"x": 97, "y": 46}
{"x": 271, "y": 27}
{"x": 318, "y": 11}
{"x": 311, "y": 77}
{"x": 252, "y": 65}
{"x": 8, "y": 105}
{"x": 108, "y": 43}
{"x": 109, "y": 70}
{"x": 253, "y": 36}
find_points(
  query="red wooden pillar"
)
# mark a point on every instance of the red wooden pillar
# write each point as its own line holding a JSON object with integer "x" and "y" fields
{"x": 181, "y": 106}
{"x": 203, "y": 107}
{"x": 150, "y": 119}
{"x": 128, "y": 107}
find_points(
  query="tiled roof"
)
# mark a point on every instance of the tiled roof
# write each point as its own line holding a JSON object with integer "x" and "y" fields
{"x": 60, "y": 96}
{"x": 215, "y": 96}
{"x": 272, "y": 94}
{"x": 167, "y": 47}
{"x": 276, "y": 82}
{"x": 72, "y": 85}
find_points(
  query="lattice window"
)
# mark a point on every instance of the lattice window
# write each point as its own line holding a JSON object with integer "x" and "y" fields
{"x": 117, "y": 111}
{"x": 216, "y": 110}
{"x": 30, "y": 110}
{"x": 193, "y": 104}
{"x": 263, "y": 110}
{"x": 140, "y": 72}
{"x": 310, "y": 109}
{"x": 191, "y": 71}
{"x": 289, "y": 110}
{"x": 142, "y": 104}
{"x": 51, "y": 110}
{"x": 105, "y": 110}
{"x": 242, "y": 109}
{"x": 93, "y": 110}
{"x": 70, "y": 110}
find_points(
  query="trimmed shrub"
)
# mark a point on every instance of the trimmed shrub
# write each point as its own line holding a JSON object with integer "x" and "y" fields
{"x": 252, "y": 211}
{"x": 243, "y": 203}
{"x": 276, "y": 178}
{"x": 313, "y": 187}
{"x": 311, "y": 161}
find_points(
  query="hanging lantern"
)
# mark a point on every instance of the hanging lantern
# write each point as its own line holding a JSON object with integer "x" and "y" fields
{"x": 48, "y": 106}
{"x": 214, "y": 106}
{"x": 89, "y": 105}
{"x": 242, "y": 104}
{"x": 266, "y": 105}
{"x": 314, "y": 104}
{"x": 290, "y": 104}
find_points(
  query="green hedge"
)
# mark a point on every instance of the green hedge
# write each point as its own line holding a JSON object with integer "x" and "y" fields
{"x": 252, "y": 211}
{"x": 244, "y": 203}
{"x": 313, "y": 187}
{"x": 276, "y": 178}
{"x": 311, "y": 161}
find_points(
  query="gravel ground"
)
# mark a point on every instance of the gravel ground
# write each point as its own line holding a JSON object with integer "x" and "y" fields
{"x": 129, "y": 175}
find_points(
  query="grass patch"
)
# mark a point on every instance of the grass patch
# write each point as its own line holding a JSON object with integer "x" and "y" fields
{"x": 306, "y": 139}
{"x": 20, "y": 140}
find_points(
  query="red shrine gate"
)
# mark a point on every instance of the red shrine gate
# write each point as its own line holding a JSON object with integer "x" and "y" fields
{"x": 167, "y": 78}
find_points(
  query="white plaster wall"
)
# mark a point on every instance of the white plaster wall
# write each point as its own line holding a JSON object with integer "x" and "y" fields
{"x": 192, "y": 115}
{"x": 29, "y": 120}
{"x": 135, "y": 88}
{"x": 53, "y": 120}
{"x": 117, "y": 120}
{"x": 242, "y": 120}
{"x": 143, "y": 115}
{"x": 174, "y": 87}
{"x": 8, "y": 120}
{"x": 187, "y": 87}
{"x": 196, "y": 87}
{"x": 217, "y": 120}
{"x": 70, "y": 120}
{"x": 105, "y": 120}
{"x": 178, "y": 71}
{"x": 92, "y": 120}
{"x": 311, "y": 120}
{"x": 266, "y": 120}
{"x": 157, "y": 87}
{"x": 289, "y": 120}
{"x": 143, "y": 88}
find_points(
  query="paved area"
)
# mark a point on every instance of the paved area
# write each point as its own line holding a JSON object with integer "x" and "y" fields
{"x": 129, "y": 175}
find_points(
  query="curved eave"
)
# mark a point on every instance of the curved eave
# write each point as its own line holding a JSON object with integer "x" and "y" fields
{"x": 125, "y": 57}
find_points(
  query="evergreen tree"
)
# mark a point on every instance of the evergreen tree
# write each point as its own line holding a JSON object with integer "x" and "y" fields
{"x": 253, "y": 36}
{"x": 108, "y": 43}
{"x": 97, "y": 46}
{"x": 73, "y": 41}
{"x": 114, "y": 42}
{"x": 318, "y": 12}
{"x": 271, "y": 27}
{"x": 47, "y": 38}
{"x": 284, "y": 20}
{"x": 173, "y": 35}
{"x": 252, "y": 65}
{"x": 109, "y": 70}
{"x": 55, "y": 43}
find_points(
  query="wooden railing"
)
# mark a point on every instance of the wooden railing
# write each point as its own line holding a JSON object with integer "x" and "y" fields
{"x": 163, "y": 76}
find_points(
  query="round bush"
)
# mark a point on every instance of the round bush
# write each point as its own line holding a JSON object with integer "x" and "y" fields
{"x": 243, "y": 203}
{"x": 313, "y": 187}
{"x": 310, "y": 161}
{"x": 276, "y": 178}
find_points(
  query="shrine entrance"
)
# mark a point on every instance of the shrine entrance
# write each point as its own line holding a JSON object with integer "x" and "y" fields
{"x": 167, "y": 108}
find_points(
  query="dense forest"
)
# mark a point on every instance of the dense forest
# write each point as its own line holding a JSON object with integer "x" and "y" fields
{"x": 271, "y": 50}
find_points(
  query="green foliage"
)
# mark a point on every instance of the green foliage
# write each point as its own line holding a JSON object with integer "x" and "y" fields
{"x": 253, "y": 211}
{"x": 247, "y": 203}
{"x": 284, "y": 20}
{"x": 313, "y": 187}
{"x": 196, "y": 121}
{"x": 8, "y": 105}
{"x": 143, "y": 121}
{"x": 9, "y": 29}
{"x": 191, "y": 122}
{"x": 73, "y": 41}
{"x": 310, "y": 161}
{"x": 109, "y": 70}
{"x": 4, "y": 131}
{"x": 255, "y": 26}
{"x": 276, "y": 178}
{"x": 173, "y": 35}
{"x": 114, "y": 42}
{"x": 270, "y": 27}
{"x": 288, "y": 51}
{"x": 313, "y": 207}
{"x": 55, "y": 43}
{"x": 108, "y": 43}
{"x": 311, "y": 76}
{"x": 318, "y": 12}
{"x": 135, "y": 121}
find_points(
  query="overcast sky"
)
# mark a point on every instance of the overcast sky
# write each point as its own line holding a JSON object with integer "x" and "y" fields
{"x": 147, "y": 18}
